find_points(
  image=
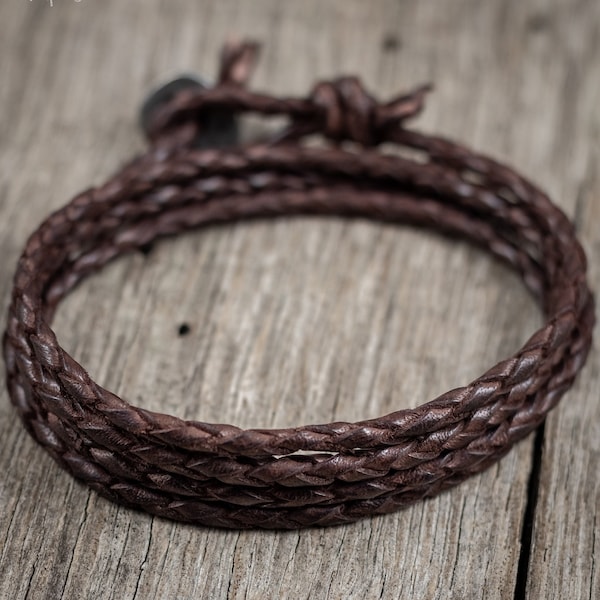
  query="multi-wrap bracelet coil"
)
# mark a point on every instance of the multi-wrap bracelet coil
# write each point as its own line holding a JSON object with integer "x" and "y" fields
{"x": 216, "y": 474}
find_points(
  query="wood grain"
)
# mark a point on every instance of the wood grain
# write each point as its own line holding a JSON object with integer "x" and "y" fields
{"x": 301, "y": 320}
{"x": 565, "y": 556}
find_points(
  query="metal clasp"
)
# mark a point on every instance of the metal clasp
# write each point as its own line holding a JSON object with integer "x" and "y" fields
{"x": 219, "y": 127}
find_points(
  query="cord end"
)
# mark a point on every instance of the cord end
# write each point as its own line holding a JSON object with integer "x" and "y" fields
{"x": 238, "y": 59}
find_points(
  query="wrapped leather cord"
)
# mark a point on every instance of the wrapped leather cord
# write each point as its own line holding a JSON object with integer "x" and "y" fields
{"x": 324, "y": 474}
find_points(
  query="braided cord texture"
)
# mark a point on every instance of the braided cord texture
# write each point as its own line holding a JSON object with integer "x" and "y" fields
{"x": 323, "y": 474}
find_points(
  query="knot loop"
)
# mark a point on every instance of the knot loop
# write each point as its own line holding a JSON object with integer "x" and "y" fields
{"x": 348, "y": 112}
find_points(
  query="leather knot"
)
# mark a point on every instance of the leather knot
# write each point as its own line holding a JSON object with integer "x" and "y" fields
{"x": 348, "y": 112}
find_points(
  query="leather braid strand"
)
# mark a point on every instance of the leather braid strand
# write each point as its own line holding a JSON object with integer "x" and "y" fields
{"x": 325, "y": 474}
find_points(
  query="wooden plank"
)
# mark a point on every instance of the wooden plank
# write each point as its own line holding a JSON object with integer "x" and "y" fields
{"x": 565, "y": 552}
{"x": 283, "y": 330}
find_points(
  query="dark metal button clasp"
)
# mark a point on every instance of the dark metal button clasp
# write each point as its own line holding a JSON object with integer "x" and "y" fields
{"x": 218, "y": 127}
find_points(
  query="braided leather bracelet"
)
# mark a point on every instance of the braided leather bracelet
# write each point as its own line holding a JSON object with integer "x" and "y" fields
{"x": 326, "y": 474}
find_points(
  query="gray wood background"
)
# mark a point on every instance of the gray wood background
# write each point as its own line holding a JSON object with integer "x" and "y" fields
{"x": 304, "y": 320}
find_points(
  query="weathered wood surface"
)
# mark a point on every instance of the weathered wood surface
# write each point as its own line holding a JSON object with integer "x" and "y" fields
{"x": 303, "y": 320}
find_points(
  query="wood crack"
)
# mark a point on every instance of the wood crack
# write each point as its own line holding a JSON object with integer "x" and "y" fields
{"x": 533, "y": 487}
{"x": 144, "y": 560}
{"x": 79, "y": 530}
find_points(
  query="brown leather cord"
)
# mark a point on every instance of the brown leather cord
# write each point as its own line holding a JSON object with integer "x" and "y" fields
{"x": 216, "y": 474}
